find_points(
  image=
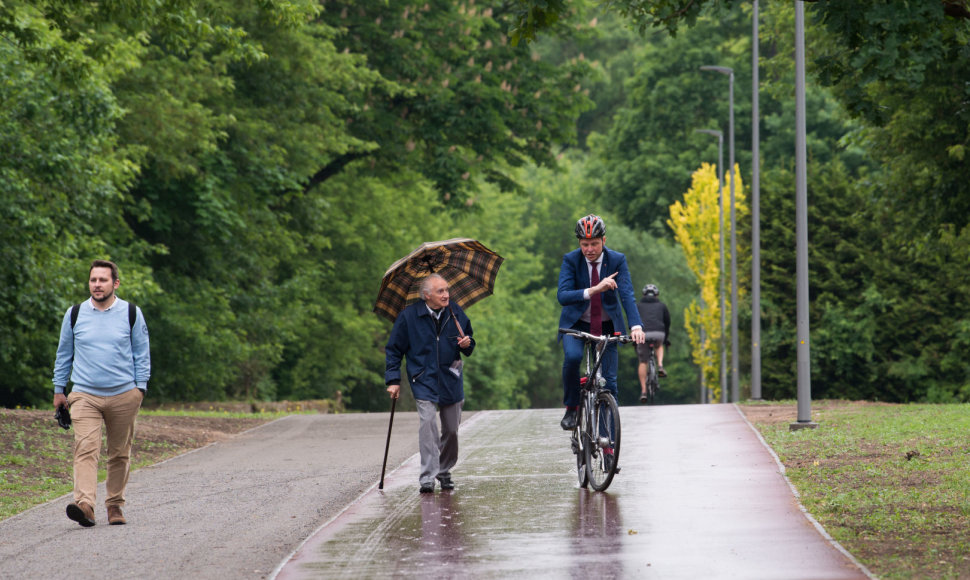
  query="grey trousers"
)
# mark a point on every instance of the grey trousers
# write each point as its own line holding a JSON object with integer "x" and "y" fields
{"x": 439, "y": 453}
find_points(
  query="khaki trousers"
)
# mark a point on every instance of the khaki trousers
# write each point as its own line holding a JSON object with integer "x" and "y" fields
{"x": 118, "y": 414}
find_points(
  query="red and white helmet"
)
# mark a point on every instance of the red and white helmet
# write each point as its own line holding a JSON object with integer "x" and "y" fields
{"x": 590, "y": 227}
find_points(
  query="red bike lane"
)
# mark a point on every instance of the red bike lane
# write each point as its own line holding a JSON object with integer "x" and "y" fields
{"x": 698, "y": 496}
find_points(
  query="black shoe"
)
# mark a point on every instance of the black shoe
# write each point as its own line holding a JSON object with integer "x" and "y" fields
{"x": 661, "y": 372}
{"x": 568, "y": 422}
{"x": 446, "y": 482}
{"x": 427, "y": 488}
{"x": 643, "y": 397}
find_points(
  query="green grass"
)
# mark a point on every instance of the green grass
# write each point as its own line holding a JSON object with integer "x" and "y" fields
{"x": 891, "y": 483}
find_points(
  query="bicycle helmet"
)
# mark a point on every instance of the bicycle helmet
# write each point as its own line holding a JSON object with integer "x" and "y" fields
{"x": 651, "y": 289}
{"x": 590, "y": 227}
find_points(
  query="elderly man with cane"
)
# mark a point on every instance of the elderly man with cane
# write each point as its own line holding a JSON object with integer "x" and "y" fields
{"x": 431, "y": 335}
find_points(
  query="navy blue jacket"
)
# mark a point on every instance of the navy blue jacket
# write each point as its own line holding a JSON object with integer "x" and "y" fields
{"x": 429, "y": 354}
{"x": 574, "y": 279}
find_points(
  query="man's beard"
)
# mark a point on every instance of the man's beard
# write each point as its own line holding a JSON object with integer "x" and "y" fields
{"x": 103, "y": 299}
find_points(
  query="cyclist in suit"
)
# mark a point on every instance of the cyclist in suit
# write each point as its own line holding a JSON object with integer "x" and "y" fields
{"x": 595, "y": 290}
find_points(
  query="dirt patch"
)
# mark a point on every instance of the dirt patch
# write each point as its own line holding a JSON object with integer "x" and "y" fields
{"x": 773, "y": 413}
{"x": 190, "y": 432}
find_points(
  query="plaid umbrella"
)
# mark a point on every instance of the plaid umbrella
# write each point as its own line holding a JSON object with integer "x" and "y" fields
{"x": 468, "y": 266}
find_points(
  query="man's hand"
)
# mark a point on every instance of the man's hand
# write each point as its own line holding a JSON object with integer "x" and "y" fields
{"x": 605, "y": 284}
{"x": 394, "y": 390}
{"x": 60, "y": 399}
{"x": 464, "y": 342}
{"x": 638, "y": 336}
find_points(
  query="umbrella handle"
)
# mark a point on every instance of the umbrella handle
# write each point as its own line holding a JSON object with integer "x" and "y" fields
{"x": 458, "y": 326}
{"x": 387, "y": 445}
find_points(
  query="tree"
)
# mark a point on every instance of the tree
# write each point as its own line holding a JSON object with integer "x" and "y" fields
{"x": 644, "y": 162}
{"x": 468, "y": 106}
{"x": 696, "y": 226}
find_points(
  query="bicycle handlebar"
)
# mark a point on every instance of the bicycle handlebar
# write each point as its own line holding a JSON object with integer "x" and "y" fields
{"x": 621, "y": 338}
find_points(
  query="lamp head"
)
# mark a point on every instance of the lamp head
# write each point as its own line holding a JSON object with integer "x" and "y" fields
{"x": 721, "y": 69}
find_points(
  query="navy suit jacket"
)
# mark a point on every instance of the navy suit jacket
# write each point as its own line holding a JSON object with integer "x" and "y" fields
{"x": 574, "y": 279}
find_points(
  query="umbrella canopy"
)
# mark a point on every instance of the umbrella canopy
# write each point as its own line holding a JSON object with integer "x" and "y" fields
{"x": 468, "y": 266}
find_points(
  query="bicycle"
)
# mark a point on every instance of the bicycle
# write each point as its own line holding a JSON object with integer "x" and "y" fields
{"x": 653, "y": 379}
{"x": 596, "y": 439}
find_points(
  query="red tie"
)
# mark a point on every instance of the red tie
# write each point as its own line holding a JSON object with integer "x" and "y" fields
{"x": 595, "y": 305}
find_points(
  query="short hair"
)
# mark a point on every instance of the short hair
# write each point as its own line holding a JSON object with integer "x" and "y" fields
{"x": 105, "y": 264}
{"x": 426, "y": 284}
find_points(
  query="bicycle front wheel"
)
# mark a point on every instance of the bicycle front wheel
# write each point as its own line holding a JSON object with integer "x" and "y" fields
{"x": 581, "y": 470}
{"x": 603, "y": 454}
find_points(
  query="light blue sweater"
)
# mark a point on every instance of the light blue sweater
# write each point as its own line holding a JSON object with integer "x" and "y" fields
{"x": 103, "y": 356}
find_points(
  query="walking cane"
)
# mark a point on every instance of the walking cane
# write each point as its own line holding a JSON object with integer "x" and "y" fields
{"x": 387, "y": 446}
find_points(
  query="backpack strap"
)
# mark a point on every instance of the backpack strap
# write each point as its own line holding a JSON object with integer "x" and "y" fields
{"x": 132, "y": 315}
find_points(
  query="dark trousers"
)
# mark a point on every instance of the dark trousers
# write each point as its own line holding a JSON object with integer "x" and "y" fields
{"x": 572, "y": 348}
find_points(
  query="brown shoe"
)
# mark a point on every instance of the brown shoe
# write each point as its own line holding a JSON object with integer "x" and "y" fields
{"x": 81, "y": 513}
{"x": 115, "y": 517}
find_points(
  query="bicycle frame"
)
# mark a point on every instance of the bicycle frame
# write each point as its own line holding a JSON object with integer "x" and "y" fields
{"x": 594, "y": 434}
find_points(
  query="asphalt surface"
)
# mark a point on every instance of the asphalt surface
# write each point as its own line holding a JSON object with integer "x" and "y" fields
{"x": 699, "y": 496}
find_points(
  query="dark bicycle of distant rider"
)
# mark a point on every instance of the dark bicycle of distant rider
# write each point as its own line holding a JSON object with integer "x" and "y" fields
{"x": 656, "y": 328}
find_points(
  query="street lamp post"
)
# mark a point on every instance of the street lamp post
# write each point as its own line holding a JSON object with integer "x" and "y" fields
{"x": 803, "y": 354}
{"x": 735, "y": 394}
{"x": 720, "y": 214}
{"x": 755, "y": 215}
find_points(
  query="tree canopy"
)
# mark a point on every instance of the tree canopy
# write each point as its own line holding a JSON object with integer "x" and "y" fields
{"x": 254, "y": 167}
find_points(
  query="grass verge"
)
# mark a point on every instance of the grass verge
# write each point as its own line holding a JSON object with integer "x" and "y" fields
{"x": 891, "y": 483}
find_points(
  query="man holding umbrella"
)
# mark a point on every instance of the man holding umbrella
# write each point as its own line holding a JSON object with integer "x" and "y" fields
{"x": 432, "y": 334}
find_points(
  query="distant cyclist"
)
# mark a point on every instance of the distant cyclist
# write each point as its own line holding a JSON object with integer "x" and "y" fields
{"x": 656, "y": 329}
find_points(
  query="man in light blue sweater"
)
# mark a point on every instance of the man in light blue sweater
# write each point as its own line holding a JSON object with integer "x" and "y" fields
{"x": 105, "y": 354}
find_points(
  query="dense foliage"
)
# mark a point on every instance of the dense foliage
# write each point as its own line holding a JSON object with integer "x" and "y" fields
{"x": 255, "y": 166}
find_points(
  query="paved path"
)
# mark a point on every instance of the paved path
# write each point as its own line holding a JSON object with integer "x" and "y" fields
{"x": 699, "y": 497}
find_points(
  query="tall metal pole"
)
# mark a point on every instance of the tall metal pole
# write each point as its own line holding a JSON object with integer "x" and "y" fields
{"x": 734, "y": 244}
{"x": 703, "y": 379}
{"x": 735, "y": 389}
{"x": 720, "y": 216}
{"x": 803, "y": 358}
{"x": 755, "y": 215}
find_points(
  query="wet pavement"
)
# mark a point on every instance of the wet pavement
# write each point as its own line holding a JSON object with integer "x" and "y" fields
{"x": 699, "y": 496}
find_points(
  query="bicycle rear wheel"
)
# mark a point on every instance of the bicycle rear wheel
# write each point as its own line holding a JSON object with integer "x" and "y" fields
{"x": 603, "y": 454}
{"x": 653, "y": 383}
